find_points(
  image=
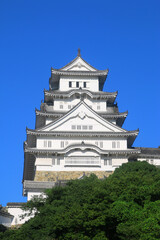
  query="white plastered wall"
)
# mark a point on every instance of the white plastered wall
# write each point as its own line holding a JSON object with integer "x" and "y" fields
{"x": 17, "y": 212}
{"x": 92, "y": 83}
{"x": 56, "y": 143}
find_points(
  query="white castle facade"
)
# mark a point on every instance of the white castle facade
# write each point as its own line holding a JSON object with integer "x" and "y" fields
{"x": 78, "y": 132}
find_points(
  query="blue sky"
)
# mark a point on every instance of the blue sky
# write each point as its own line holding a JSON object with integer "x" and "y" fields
{"x": 123, "y": 36}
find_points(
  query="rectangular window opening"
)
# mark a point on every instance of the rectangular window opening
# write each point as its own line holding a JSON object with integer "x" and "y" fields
{"x": 118, "y": 144}
{"x": 113, "y": 144}
{"x": 90, "y": 127}
{"x": 84, "y": 84}
{"x": 62, "y": 144}
{"x": 77, "y": 84}
{"x": 70, "y": 84}
{"x": 45, "y": 144}
{"x": 49, "y": 144}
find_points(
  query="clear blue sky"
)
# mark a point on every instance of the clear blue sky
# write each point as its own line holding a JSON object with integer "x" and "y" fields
{"x": 123, "y": 36}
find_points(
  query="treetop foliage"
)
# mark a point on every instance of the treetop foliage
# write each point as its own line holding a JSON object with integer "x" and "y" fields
{"x": 126, "y": 206}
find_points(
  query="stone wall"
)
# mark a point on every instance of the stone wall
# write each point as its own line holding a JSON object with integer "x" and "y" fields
{"x": 44, "y": 176}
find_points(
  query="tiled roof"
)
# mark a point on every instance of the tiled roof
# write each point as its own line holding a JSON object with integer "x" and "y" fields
{"x": 150, "y": 151}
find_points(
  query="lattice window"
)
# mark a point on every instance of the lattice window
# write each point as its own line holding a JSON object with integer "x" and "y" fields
{"x": 113, "y": 144}
{"x": 101, "y": 144}
{"x": 118, "y": 144}
{"x": 49, "y": 144}
{"x": 45, "y": 143}
{"x": 62, "y": 144}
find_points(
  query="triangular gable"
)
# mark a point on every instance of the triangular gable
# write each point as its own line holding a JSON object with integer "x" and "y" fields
{"x": 82, "y": 119}
{"x": 78, "y": 64}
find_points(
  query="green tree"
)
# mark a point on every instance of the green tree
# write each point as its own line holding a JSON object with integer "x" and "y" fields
{"x": 124, "y": 206}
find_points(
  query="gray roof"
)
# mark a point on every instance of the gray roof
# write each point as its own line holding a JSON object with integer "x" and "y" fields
{"x": 15, "y": 204}
{"x": 5, "y": 214}
{"x": 103, "y": 114}
{"x": 99, "y": 94}
{"x": 150, "y": 152}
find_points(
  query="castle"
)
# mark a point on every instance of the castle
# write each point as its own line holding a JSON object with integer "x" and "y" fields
{"x": 78, "y": 132}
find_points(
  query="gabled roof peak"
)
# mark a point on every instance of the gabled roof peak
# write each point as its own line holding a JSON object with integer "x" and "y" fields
{"x": 78, "y": 64}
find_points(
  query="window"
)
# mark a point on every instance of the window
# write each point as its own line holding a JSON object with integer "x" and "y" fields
{"x": 61, "y": 106}
{"x": 110, "y": 162}
{"x": 49, "y": 144}
{"x": 58, "y": 161}
{"x": 69, "y": 106}
{"x": 84, "y": 85}
{"x": 105, "y": 162}
{"x": 118, "y": 144}
{"x": 96, "y": 143}
{"x": 62, "y": 144}
{"x": 113, "y": 144}
{"x": 73, "y": 127}
{"x": 78, "y": 127}
{"x": 98, "y": 108}
{"x": 84, "y": 127}
{"x": 90, "y": 127}
{"x": 66, "y": 143}
{"x": 53, "y": 161}
{"x": 70, "y": 84}
{"x": 77, "y": 84}
{"x": 45, "y": 143}
{"x": 101, "y": 144}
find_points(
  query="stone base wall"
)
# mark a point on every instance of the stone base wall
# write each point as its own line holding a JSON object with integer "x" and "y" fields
{"x": 44, "y": 176}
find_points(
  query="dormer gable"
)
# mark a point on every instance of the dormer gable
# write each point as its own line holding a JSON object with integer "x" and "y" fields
{"x": 78, "y": 64}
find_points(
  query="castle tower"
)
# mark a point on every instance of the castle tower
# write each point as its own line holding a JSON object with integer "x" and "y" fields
{"x": 78, "y": 130}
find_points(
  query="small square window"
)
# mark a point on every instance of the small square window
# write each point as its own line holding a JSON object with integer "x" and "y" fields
{"x": 73, "y": 127}
{"x": 90, "y": 127}
{"x": 69, "y": 106}
{"x": 84, "y": 127}
{"x": 61, "y": 106}
{"x": 70, "y": 84}
{"x": 79, "y": 127}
